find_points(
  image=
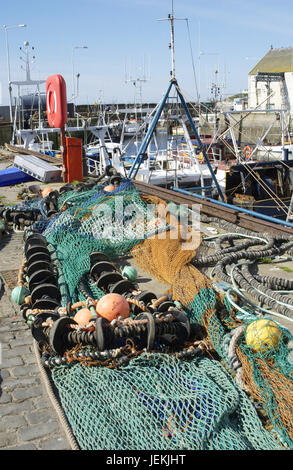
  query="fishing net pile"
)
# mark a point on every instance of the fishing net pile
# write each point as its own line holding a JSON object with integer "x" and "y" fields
{"x": 211, "y": 391}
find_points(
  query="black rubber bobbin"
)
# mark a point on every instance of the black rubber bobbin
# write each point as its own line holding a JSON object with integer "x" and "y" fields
{"x": 38, "y": 331}
{"x": 43, "y": 291}
{"x": 38, "y": 256}
{"x": 115, "y": 180}
{"x": 110, "y": 170}
{"x": 66, "y": 188}
{"x": 122, "y": 287}
{"x": 46, "y": 303}
{"x": 151, "y": 328}
{"x": 101, "y": 267}
{"x": 51, "y": 213}
{"x": 107, "y": 280}
{"x": 53, "y": 195}
{"x": 38, "y": 266}
{"x": 190, "y": 353}
{"x": 164, "y": 306}
{"x": 58, "y": 335}
{"x": 104, "y": 334}
{"x": 182, "y": 333}
{"x": 43, "y": 276}
{"x": 24, "y": 308}
{"x": 33, "y": 240}
{"x": 79, "y": 187}
{"x": 145, "y": 297}
{"x": 23, "y": 218}
{"x": 97, "y": 256}
{"x": 7, "y": 214}
{"x": 36, "y": 249}
{"x": 51, "y": 201}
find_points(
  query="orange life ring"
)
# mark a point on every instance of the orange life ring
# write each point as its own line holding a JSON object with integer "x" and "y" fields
{"x": 245, "y": 150}
{"x": 56, "y": 101}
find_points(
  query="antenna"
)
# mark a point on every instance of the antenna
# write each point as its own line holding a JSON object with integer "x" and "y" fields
{"x": 26, "y": 59}
{"x": 172, "y": 44}
{"x": 142, "y": 77}
{"x": 216, "y": 87}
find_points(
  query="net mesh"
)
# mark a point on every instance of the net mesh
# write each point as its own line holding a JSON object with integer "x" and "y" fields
{"x": 159, "y": 401}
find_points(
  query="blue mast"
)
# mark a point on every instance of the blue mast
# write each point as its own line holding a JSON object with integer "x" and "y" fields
{"x": 141, "y": 152}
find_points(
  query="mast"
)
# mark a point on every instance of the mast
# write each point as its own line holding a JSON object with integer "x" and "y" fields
{"x": 171, "y": 18}
{"x": 172, "y": 43}
{"x": 173, "y": 82}
{"x": 20, "y": 83}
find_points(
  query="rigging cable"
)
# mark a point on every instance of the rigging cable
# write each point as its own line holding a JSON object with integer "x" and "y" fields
{"x": 266, "y": 188}
{"x": 192, "y": 59}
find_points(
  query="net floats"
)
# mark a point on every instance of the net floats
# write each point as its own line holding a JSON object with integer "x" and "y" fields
{"x": 107, "y": 277}
{"x": 109, "y": 188}
{"x": 129, "y": 272}
{"x": 83, "y": 316}
{"x": 112, "y": 306}
{"x": 263, "y": 335}
{"x": 47, "y": 191}
{"x": 147, "y": 331}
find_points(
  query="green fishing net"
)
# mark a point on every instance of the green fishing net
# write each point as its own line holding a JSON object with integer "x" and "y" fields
{"x": 157, "y": 401}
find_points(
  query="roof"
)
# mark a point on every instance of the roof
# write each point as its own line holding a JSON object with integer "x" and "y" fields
{"x": 275, "y": 61}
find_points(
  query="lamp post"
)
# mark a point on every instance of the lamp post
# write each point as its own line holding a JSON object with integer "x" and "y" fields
{"x": 73, "y": 74}
{"x": 6, "y": 27}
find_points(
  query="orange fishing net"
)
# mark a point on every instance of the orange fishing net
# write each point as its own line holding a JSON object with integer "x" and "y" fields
{"x": 278, "y": 384}
{"x": 166, "y": 256}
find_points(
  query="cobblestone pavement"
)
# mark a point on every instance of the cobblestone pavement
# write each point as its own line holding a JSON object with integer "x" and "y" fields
{"x": 28, "y": 418}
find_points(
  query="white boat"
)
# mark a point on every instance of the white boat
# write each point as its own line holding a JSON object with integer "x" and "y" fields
{"x": 173, "y": 167}
{"x": 274, "y": 152}
{"x": 132, "y": 127}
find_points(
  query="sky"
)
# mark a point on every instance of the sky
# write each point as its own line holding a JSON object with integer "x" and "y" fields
{"x": 126, "y": 42}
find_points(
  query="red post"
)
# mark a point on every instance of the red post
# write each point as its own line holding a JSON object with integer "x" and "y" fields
{"x": 73, "y": 159}
{"x": 64, "y": 154}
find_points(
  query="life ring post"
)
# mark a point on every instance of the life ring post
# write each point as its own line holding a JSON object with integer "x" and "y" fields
{"x": 63, "y": 149}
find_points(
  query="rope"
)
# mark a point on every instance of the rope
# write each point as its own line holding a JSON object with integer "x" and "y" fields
{"x": 192, "y": 60}
{"x": 235, "y": 363}
{"x": 55, "y": 403}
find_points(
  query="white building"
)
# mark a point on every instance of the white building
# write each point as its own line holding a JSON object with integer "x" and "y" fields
{"x": 270, "y": 82}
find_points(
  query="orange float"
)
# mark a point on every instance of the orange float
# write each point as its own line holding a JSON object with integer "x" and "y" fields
{"x": 83, "y": 316}
{"x": 112, "y": 306}
{"x": 47, "y": 191}
{"x": 109, "y": 188}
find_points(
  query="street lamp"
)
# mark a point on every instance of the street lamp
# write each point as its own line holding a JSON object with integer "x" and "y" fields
{"x": 73, "y": 77}
{"x": 6, "y": 27}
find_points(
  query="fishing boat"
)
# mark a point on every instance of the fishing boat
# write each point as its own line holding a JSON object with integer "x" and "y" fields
{"x": 132, "y": 127}
{"x": 275, "y": 152}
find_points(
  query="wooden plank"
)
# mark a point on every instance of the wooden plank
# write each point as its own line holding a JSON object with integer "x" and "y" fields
{"x": 47, "y": 158}
{"x": 209, "y": 208}
{"x": 251, "y": 223}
